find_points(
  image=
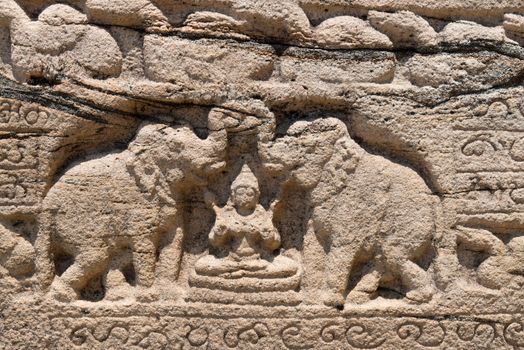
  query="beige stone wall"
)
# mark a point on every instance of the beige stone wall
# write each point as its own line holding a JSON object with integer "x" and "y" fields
{"x": 219, "y": 174}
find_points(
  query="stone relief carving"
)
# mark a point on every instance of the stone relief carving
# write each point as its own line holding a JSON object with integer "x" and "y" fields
{"x": 500, "y": 268}
{"x": 261, "y": 174}
{"x": 245, "y": 229}
{"x": 504, "y": 269}
{"x": 157, "y": 161}
{"x": 74, "y": 44}
{"x": 364, "y": 209}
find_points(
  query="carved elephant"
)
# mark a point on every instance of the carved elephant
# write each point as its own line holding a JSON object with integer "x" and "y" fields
{"x": 60, "y": 42}
{"x": 364, "y": 209}
{"x": 123, "y": 202}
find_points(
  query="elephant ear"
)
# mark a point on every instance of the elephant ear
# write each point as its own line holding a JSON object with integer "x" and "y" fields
{"x": 343, "y": 162}
{"x": 146, "y": 162}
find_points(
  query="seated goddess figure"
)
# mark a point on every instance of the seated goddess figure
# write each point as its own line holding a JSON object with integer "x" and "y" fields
{"x": 245, "y": 229}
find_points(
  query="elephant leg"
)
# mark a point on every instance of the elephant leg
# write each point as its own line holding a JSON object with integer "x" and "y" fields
{"x": 171, "y": 255}
{"x": 366, "y": 288}
{"x": 340, "y": 261}
{"x": 144, "y": 259}
{"x": 87, "y": 265}
{"x": 413, "y": 278}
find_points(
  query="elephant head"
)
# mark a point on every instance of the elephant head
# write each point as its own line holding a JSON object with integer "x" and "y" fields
{"x": 164, "y": 156}
{"x": 312, "y": 150}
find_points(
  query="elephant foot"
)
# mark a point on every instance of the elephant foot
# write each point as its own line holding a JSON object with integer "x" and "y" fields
{"x": 116, "y": 286}
{"x": 118, "y": 293}
{"x": 61, "y": 292}
{"x": 421, "y": 295}
{"x": 333, "y": 299}
{"x": 146, "y": 295}
{"x": 167, "y": 290}
{"x": 360, "y": 297}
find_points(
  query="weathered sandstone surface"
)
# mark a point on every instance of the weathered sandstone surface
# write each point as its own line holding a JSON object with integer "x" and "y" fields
{"x": 261, "y": 174}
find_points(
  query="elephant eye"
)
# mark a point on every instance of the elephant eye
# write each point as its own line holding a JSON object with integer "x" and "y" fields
{"x": 149, "y": 171}
{"x": 162, "y": 130}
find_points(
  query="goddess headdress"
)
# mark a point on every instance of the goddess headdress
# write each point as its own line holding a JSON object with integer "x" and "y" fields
{"x": 245, "y": 178}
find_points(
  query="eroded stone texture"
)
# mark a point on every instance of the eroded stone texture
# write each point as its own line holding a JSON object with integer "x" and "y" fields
{"x": 219, "y": 174}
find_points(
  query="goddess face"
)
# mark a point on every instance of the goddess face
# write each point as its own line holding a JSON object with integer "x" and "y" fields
{"x": 245, "y": 197}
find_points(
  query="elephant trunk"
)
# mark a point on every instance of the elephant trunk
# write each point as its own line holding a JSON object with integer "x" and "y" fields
{"x": 216, "y": 143}
{"x": 212, "y": 149}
